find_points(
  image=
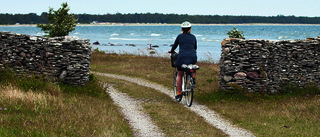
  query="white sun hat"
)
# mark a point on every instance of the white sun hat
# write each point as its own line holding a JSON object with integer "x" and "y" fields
{"x": 186, "y": 24}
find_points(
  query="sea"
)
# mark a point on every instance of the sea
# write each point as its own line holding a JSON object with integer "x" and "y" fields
{"x": 155, "y": 40}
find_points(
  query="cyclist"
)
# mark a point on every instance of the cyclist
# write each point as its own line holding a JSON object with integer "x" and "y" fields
{"x": 187, "y": 52}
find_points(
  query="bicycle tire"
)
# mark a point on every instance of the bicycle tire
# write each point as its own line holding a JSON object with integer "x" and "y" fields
{"x": 189, "y": 90}
{"x": 175, "y": 86}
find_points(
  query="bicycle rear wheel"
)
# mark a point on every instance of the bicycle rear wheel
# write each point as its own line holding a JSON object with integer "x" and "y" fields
{"x": 175, "y": 86}
{"x": 189, "y": 90}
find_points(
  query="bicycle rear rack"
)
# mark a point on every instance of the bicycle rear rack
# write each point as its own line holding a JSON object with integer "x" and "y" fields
{"x": 190, "y": 66}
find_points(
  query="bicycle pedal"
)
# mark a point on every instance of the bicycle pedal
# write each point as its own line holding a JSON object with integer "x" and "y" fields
{"x": 183, "y": 93}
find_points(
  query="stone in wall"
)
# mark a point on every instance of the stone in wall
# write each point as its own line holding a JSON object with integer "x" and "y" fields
{"x": 240, "y": 63}
{"x": 256, "y": 64}
{"x": 60, "y": 58}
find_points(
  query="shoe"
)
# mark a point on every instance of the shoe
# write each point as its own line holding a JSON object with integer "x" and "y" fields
{"x": 179, "y": 97}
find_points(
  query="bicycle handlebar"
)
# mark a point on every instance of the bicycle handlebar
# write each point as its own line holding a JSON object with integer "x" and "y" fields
{"x": 172, "y": 52}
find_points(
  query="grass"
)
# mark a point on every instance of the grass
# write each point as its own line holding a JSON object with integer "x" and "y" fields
{"x": 294, "y": 112}
{"x": 35, "y": 107}
{"x": 286, "y": 115}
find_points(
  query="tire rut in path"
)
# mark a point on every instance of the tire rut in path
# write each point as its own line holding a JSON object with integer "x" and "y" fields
{"x": 209, "y": 115}
{"x": 140, "y": 122}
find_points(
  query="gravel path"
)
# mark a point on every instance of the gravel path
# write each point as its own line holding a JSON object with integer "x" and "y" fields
{"x": 140, "y": 122}
{"x": 209, "y": 115}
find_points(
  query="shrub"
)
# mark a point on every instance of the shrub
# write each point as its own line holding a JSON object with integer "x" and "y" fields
{"x": 60, "y": 22}
{"x": 235, "y": 33}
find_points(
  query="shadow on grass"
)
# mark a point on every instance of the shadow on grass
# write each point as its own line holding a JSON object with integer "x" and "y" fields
{"x": 41, "y": 84}
{"x": 287, "y": 91}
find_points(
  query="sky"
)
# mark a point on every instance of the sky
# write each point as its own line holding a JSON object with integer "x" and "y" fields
{"x": 308, "y": 8}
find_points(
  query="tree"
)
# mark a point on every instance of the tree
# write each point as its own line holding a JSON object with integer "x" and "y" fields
{"x": 60, "y": 22}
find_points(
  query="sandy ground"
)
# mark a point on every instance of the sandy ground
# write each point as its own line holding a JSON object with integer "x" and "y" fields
{"x": 209, "y": 115}
{"x": 139, "y": 121}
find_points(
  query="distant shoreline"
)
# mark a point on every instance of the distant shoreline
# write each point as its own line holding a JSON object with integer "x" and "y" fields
{"x": 158, "y": 24}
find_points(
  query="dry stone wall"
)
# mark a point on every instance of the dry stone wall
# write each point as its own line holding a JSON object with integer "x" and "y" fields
{"x": 64, "y": 59}
{"x": 256, "y": 65}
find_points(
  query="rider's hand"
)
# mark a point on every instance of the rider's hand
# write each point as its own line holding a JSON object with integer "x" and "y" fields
{"x": 169, "y": 51}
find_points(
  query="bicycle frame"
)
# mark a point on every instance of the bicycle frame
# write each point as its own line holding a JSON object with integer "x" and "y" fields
{"x": 184, "y": 80}
{"x": 188, "y": 83}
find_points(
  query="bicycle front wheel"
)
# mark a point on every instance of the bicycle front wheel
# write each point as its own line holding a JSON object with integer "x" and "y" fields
{"x": 189, "y": 90}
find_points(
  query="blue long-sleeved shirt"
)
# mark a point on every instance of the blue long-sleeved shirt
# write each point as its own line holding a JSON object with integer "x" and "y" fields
{"x": 187, "y": 49}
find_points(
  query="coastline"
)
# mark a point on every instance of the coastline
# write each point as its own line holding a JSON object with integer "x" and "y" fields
{"x": 161, "y": 24}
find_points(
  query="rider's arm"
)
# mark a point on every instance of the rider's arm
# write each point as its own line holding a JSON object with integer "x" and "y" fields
{"x": 175, "y": 45}
{"x": 195, "y": 45}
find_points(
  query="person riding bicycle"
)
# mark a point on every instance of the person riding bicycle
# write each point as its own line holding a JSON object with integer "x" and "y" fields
{"x": 187, "y": 52}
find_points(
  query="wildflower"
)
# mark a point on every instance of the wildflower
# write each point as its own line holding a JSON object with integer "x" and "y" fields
{"x": 27, "y": 123}
{"x": 0, "y": 108}
{"x": 42, "y": 113}
{"x": 302, "y": 106}
{"x": 295, "y": 98}
{"x": 307, "y": 94}
{"x": 5, "y": 108}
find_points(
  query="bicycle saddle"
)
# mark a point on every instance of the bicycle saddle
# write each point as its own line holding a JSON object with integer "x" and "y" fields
{"x": 190, "y": 66}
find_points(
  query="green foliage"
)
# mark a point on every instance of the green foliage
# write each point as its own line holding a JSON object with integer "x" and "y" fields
{"x": 292, "y": 89}
{"x": 310, "y": 90}
{"x": 99, "y": 51}
{"x": 33, "y": 18}
{"x": 235, "y": 33}
{"x": 60, "y": 22}
{"x": 5, "y": 76}
{"x": 93, "y": 88}
{"x": 32, "y": 83}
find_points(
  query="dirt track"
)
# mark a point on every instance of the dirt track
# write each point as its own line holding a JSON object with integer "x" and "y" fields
{"x": 209, "y": 115}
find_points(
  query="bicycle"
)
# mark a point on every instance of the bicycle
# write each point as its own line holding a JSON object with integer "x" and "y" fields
{"x": 188, "y": 80}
